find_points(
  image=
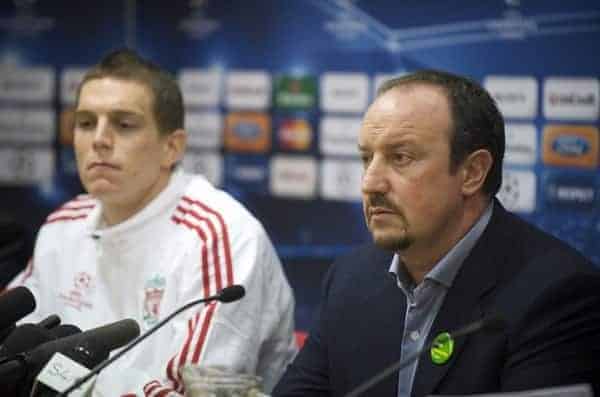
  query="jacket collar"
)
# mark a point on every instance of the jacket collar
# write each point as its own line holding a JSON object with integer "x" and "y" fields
{"x": 464, "y": 302}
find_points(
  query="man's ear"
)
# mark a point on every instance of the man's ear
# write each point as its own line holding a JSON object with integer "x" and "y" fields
{"x": 475, "y": 169}
{"x": 173, "y": 148}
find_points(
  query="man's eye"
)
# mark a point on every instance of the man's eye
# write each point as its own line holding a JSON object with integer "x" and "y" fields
{"x": 365, "y": 158}
{"x": 126, "y": 125}
{"x": 83, "y": 124}
{"x": 401, "y": 158}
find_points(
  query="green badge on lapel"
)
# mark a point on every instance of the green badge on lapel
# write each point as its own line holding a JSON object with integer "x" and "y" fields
{"x": 442, "y": 348}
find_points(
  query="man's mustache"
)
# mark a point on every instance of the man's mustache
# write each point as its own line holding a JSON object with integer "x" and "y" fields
{"x": 379, "y": 200}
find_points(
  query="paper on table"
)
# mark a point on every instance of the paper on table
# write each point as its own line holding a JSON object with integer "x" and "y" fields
{"x": 579, "y": 390}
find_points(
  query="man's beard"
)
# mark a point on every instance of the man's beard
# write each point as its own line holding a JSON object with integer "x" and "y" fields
{"x": 394, "y": 244}
{"x": 391, "y": 243}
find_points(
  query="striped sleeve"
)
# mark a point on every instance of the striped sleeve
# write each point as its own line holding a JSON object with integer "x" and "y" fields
{"x": 78, "y": 208}
{"x": 216, "y": 271}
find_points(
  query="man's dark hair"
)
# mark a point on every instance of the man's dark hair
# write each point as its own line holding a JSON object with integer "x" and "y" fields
{"x": 477, "y": 122}
{"x": 125, "y": 64}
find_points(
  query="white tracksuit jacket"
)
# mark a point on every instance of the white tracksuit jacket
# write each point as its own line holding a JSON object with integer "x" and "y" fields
{"x": 188, "y": 243}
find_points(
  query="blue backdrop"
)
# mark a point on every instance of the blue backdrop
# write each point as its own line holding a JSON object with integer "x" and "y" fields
{"x": 275, "y": 91}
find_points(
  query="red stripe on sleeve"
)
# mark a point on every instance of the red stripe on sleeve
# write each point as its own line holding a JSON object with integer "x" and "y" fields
{"x": 215, "y": 241}
{"x": 209, "y": 313}
{"x": 65, "y": 218}
{"x": 226, "y": 245}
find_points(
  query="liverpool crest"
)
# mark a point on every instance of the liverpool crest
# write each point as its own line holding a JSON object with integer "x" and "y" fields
{"x": 153, "y": 293}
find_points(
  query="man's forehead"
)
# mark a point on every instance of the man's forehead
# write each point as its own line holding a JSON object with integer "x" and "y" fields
{"x": 115, "y": 94}
{"x": 403, "y": 111}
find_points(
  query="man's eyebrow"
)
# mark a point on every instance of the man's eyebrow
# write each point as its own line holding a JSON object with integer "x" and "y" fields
{"x": 82, "y": 112}
{"x": 123, "y": 112}
{"x": 112, "y": 113}
{"x": 391, "y": 145}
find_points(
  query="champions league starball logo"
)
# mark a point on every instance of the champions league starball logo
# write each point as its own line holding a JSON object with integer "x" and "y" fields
{"x": 197, "y": 25}
{"x": 25, "y": 22}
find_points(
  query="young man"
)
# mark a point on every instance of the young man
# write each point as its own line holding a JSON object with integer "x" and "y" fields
{"x": 432, "y": 145}
{"x": 148, "y": 238}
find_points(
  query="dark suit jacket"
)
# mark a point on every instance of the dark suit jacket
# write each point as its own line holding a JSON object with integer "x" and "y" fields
{"x": 547, "y": 292}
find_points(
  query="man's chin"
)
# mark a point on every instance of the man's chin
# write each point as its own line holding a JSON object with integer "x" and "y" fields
{"x": 392, "y": 243}
{"x": 103, "y": 193}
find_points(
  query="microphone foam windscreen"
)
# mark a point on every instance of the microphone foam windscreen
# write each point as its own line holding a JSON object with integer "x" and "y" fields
{"x": 15, "y": 304}
{"x": 64, "y": 330}
{"x": 89, "y": 353}
{"x": 25, "y": 337}
{"x": 115, "y": 335}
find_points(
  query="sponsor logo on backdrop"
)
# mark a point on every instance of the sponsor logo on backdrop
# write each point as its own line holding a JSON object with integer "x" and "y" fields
{"x": 205, "y": 129}
{"x": 518, "y": 191}
{"x": 294, "y": 134}
{"x": 521, "y": 144}
{"x": 248, "y": 90}
{"x": 66, "y": 126}
{"x": 339, "y": 135}
{"x": 207, "y": 163}
{"x": 26, "y": 165}
{"x": 293, "y": 176}
{"x": 200, "y": 87}
{"x": 246, "y": 173}
{"x": 248, "y": 132}
{"x": 571, "y": 98}
{"x": 516, "y": 96}
{"x": 69, "y": 83}
{"x": 295, "y": 92}
{"x": 570, "y": 145}
{"x": 22, "y": 125}
{"x": 340, "y": 179}
{"x": 571, "y": 190}
{"x": 34, "y": 84}
{"x": 344, "y": 92}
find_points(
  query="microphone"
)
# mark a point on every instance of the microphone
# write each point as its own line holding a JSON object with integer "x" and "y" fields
{"x": 226, "y": 295}
{"x": 50, "y": 322}
{"x": 63, "y": 369}
{"x": 15, "y": 304}
{"x": 229, "y": 294}
{"x": 492, "y": 323}
{"x": 27, "y": 336}
{"x": 111, "y": 336}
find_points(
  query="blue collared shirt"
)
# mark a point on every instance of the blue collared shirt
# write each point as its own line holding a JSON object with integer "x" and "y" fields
{"x": 423, "y": 301}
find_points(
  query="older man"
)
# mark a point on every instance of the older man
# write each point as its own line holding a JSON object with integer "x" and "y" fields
{"x": 446, "y": 254}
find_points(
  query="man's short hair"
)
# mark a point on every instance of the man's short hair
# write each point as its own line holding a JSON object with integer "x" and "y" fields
{"x": 126, "y": 64}
{"x": 477, "y": 122}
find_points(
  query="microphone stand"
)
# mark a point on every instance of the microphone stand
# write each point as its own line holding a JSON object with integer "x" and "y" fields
{"x": 222, "y": 295}
{"x": 492, "y": 323}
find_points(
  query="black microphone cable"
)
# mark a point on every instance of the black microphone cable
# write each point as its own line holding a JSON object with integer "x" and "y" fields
{"x": 227, "y": 294}
{"x": 490, "y": 323}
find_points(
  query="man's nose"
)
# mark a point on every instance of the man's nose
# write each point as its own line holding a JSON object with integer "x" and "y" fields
{"x": 374, "y": 178}
{"x": 103, "y": 136}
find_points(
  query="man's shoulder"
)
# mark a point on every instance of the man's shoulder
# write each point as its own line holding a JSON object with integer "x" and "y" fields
{"x": 365, "y": 263}
{"x": 201, "y": 200}
{"x": 72, "y": 213}
{"x": 367, "y": 251}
